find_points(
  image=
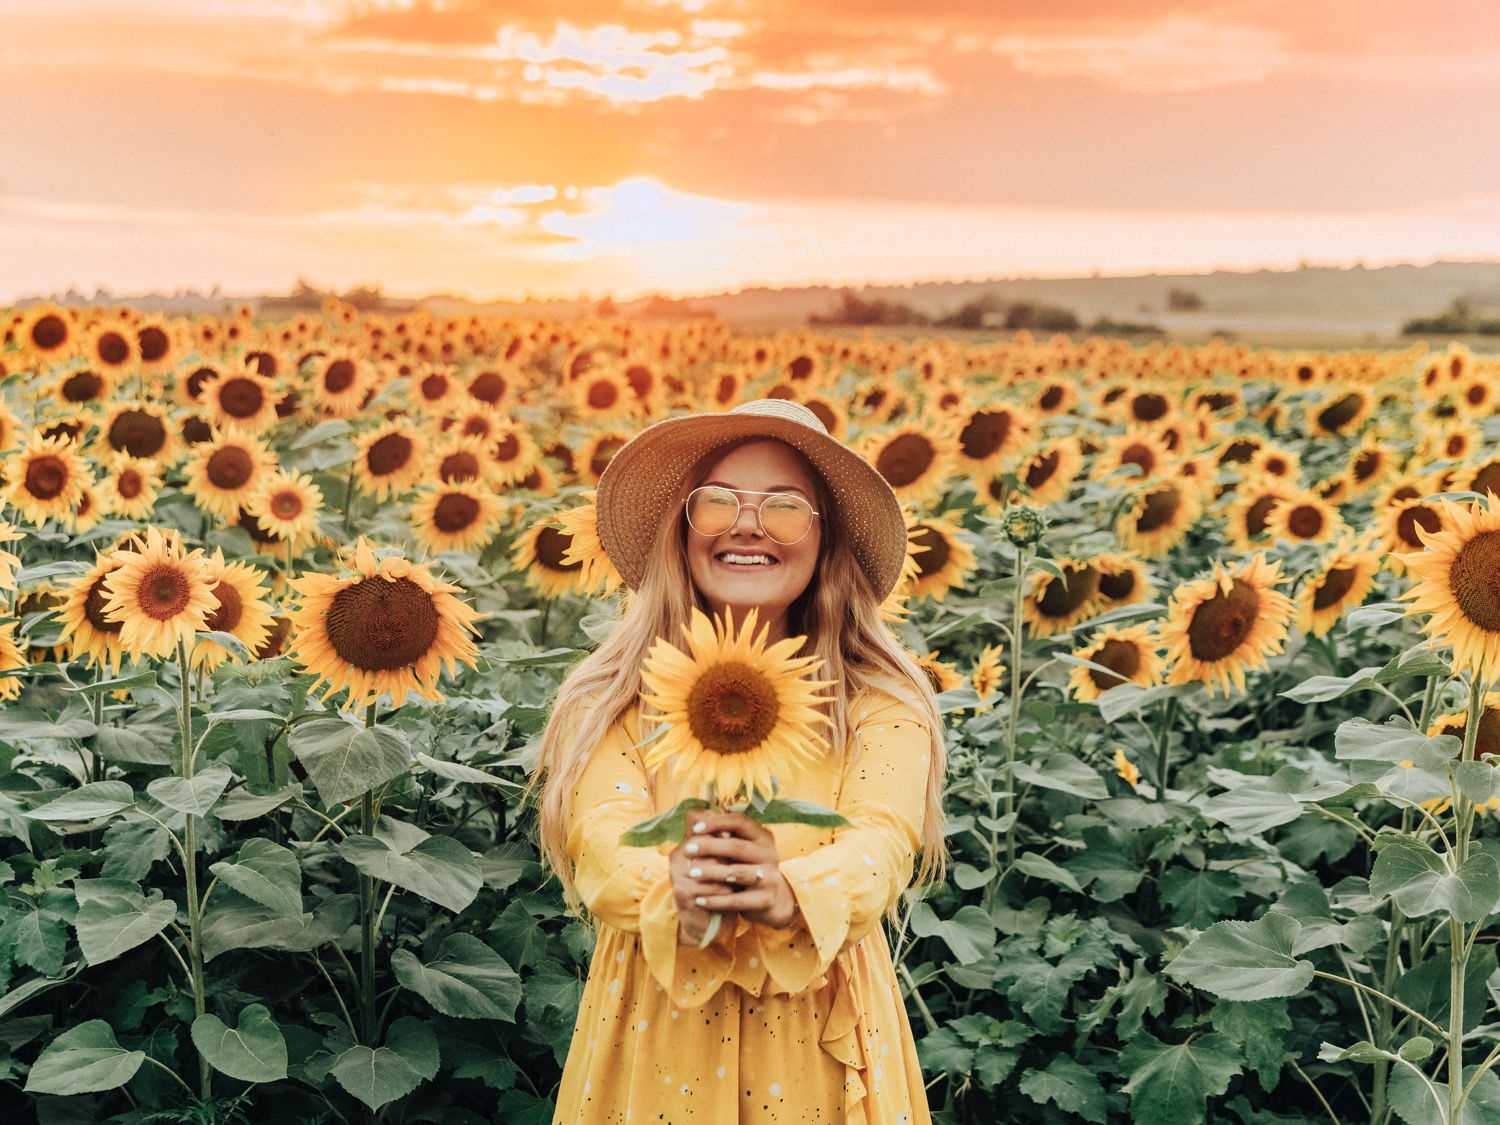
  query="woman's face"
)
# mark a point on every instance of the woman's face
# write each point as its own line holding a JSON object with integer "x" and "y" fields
{"x": 743, "y": 569}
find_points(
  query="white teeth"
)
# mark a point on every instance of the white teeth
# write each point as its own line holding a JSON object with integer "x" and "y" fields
{"x": 762, "y": 560}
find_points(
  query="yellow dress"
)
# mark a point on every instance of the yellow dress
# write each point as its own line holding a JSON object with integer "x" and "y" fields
{"x": 799, "y": 1025}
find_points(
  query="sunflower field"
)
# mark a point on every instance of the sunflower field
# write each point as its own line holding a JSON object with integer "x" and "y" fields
{"x": 1214, "y": 632}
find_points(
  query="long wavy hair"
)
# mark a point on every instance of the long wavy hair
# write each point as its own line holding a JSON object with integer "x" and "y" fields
{"x": 838, "y": 613}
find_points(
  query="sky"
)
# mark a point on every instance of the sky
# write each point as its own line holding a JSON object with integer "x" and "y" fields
{"x": 505, "y": 148}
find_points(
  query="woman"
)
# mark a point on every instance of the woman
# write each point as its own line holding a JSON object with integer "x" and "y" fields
{"x": 792, "y": 1012}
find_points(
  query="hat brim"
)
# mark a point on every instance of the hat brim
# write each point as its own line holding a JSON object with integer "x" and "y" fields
{"x": 643, "y": 480}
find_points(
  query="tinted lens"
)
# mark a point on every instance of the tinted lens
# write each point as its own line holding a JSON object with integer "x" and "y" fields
{"x": 785, "y": 519}
{"x": 712, "y": 511}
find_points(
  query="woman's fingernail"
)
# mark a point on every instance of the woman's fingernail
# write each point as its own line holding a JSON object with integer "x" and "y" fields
{"x": 696, "y": 872}
{"x": 729, "y": 878}
{"x": 699, "y": 827}
{"x": 701, "y": 901}
{"x": 691, "y": 849}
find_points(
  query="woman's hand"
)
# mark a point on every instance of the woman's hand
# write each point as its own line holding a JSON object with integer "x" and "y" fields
{"x": 728, "y": 863}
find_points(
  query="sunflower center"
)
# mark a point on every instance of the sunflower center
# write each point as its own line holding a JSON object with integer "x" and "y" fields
{"x": 1217, "y": 402}
{"x": 1276, "y": 466}
{"x": 253, "y": 527}
{"x": 1419, "y": 516}
{"x": 288, "y": 404}
{"x": 476, "y": 426}
{"x": 1060, "y": 601}
{"x": 137, "y": 433}
{"x": 379, "y": 626}
{"x": 1476, "y": 395}
{"x": 1366, "y": 465}
{"x": 824, "y": 412}
{"x": 1305, "y": 521}
{"x": 1161, "y": 508}
{"x": 389, "y": 455}
{"x": 1341, "y": 413}
{"x": 1239, "y": 452}
{"x": 241, "y": 398}
{"x": 724, "y": 393}
{"x": 164, "y": 592}
{"x": 154, "y": 343}
{"x": 1123, "y": 657}
{"x": 231, "y": 609}
{"x": 488, "y": 386}
{"x": 195, "y": 431}
{"x": 230, "y": 468}
{"x": 985, "y": 434}
{"x": 1487, "y": 741}
{"x": 93, "y": 609}
{"x": 732, "y": 708}
{"x": 112, "y": 349}
{"x": 286, "y": 505}
{"x": 1335, "y": 585}
{"x": 459, "y": 466}
{"x": 1140, "y": 454}
{"x": 551, "y": 545}
{"x": 932, "y": 560}
{"x": 82, "y": 386}
{"x": 603, "y": 395}
{"x": 281, "y": 628}
{"x": 604, "y": 453}
{"x": 195, "y": 381}
{"x": 1043, "y": 468}
{"x": 433, "y": 387}
{"x": 1117, "y": 586}
{"x": 1475, "y": 580}
{"x": 641, "y": 380}
{"x": 1487, "y": 479}
{"x": 1149, "y": 407}
{"x": 49, "y": 332}
{"x": 1455, "y": 445}
{"x": 46, "y": 477}
{"x": 455, "y": 512}
{"x": 904, "y": 459}
{"x": 800, "y": 368}
{"x": 1258, "y": 513}
{"x": 1051, "y": 398}
{"x": 128, "y": 484}
{"x": 507, "y": 448}
{"x": 339, "y": 377}
{"x": 1222, "y": 623}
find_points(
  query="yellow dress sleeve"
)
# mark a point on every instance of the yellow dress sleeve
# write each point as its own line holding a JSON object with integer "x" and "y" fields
{"x": 844, "y": 887}
{"x": 630, "y": 889}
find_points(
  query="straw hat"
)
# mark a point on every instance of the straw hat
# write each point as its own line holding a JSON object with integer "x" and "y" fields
{"x": 645, "y": 476}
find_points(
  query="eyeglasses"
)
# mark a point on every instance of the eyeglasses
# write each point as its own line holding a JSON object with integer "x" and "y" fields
{"x": 785, "y": 519}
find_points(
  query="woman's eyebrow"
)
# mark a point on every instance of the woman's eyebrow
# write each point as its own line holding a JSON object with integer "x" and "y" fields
{"x": 773, "y": 488}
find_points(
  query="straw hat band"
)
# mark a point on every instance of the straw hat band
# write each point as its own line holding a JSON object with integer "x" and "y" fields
{"x": 645, "y": 477}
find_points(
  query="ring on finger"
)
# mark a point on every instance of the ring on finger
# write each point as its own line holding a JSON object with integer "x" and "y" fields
{"x": 759, "y": 874}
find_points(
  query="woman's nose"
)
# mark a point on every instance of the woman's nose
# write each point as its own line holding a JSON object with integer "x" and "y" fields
{"x": 747, "y": 522}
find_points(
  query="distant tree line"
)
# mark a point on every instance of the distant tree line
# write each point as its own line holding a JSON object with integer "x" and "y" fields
{"x": 989, "y": 310}
{"x": 1459, "y": 320}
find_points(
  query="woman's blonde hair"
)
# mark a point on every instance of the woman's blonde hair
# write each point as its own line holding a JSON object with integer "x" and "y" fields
{"x": 839, "y": 613}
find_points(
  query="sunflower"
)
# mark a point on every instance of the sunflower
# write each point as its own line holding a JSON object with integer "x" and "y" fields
{"x": 1054, "y": 606}
{"x": 594, "y": 455}
{"x": 109, "y": 347}
{"x": 1348, "y": 574}
{"x": 84, "y": 386}
{"x": 10, "y": 430}
{"x": 545, "y": 554}
{"x": 1217, "y": 627}
{"x": 1485, "y": 479}
{"x": 93, "y": 632}
{"x": 227, "y": 472}
{"x": 9, "y": 563}
{"x": 943, "y": 677}
{"x": 454, "y": 460}
{"x": 512, "y": 455}
{"x": 160, "y": 593}
{"x": 1475, "y": 395}
{"x": 1138, "y": 447}
{"x": 943, "y": 560}
{"x": 987, "y": 674}
{"x": 475, "y": 420}
{"x": 1458, "y": 570}
{"x": 1304, "y": 517}
{"x": 391, "y": 459}
{"x": 832, "y": 413}
{"x": 434, "y": 389}
{"x": 1049, "y": 472}
{"x": 242, "y": 611}
{"x": 1125, "y": 768}
{"x": 913, "y": 461}
{"x": 1342, "y": 412}
{"x": 541, "y": 480}
{"x": 12, "y": 656}
{"x": 489, "y": 387}
{"x": 1454, "y": 441}
{"x": 1404, "y": 527}
{"x": 722, "y": 389}
{"x": 339, "y": 380}
{"x": 1248, "y": 516}
{"x": 388, "y": 626}
{"x": 603, "y": 394}
{"x": 1273, "y": 461}
{"x": 455, "y": 517}
{"x": 1123, "y": 580}
{"x": 48, "y": 333}
{"x": 287, "y": 507}
{"x": 45, "y": 479}
{"x": 88, "y": 511}
{"x": 1148, "y": 407}
{"x": 1226, "y": 403}
{"x": 738, "y": 713}
{"x": 277, "y": 632}
{"x": 1487, "y": 740}
{"x": 581, "y": 525}
{"x": 877, "y": 405}
{"x": 1160, "y": 518}
{"x": 157, "y": 344}
{"x": 241, "y": 398}
{"x": 1131, "y": 654}
{"x": 1238, "y": 450}
{"x": 991, "y": 434}
{"x": 129, "y": 490}
{"x": 1334, "y": 489}
{"x": 1056, "y": 397}
{"x": 141, "y": 431}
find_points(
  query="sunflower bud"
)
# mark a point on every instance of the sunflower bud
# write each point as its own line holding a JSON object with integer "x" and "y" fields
{"x": 1023, "y": 525}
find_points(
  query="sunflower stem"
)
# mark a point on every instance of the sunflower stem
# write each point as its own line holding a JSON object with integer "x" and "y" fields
{"x": 190, "y": 861}
{"x": 1022, "y": 560}
{"x": 1463, "y": 823}
{"x": 1164, "y": 747}
{"x": 348, "y": 502}
{"x": 368, "y": 1013}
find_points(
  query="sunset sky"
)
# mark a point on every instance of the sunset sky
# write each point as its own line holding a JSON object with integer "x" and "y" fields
{"x": 497, "y": 149}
